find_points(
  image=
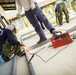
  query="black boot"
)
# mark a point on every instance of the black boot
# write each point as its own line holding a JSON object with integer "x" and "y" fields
{"x": 41, "y": 41}
{"x": 5, "y": 58}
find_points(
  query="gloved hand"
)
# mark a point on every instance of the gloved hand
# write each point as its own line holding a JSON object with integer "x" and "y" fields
{"x": 33, "y": 6}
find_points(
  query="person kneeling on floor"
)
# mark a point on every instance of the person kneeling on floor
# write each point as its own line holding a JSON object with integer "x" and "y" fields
{"x": 7, "y": 33}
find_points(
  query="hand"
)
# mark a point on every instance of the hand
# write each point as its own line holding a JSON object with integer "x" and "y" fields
{"x": 18, "y": 15}
{"x": 23, "y": 49}
{"x": 22, "y": 44}
{"x": 33, "y": 6}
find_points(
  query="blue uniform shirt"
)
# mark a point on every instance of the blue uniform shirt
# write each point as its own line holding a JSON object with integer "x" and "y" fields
{"x": 7, "y": 34}
{"x": 58, "y": 4}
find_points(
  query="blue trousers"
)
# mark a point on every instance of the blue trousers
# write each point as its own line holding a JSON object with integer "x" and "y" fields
{"x": 31, "y": 15}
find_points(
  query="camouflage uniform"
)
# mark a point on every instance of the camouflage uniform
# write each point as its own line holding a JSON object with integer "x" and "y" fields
{"x": 61, "y": 7}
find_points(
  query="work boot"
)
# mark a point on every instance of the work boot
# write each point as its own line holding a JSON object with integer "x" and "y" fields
{"x": 55, "y": 33}
{"x": 41, "y": 41}
{"x": 60, "y": 24}
{"x": 5, "y": 58}
{"x": 67, "y": 21}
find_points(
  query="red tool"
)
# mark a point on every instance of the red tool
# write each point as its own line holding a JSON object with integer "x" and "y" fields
{"x": 61, "y": 39}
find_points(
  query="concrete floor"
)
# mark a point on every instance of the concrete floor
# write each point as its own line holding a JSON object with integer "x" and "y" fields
{"x": 61, "y": 64}
{"x": 47, "y": 60}
{"x": 22, "y": 67}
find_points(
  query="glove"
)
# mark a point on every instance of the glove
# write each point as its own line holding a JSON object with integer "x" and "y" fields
{"x": 33, "y": 6}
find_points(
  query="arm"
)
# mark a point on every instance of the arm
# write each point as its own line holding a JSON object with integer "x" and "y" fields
{"x": 33, "y": 4}
{"x": 19, "y": 7}
{"x": 56, "y": 13}
{"x": 11, "y": 38}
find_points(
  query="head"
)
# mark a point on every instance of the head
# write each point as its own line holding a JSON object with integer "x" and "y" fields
{"x": 11, "y": 27}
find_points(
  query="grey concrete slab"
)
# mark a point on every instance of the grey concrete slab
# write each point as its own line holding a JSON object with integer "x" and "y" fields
{"x": 22, "y": 67}
{"x": 61, "y": 64}
{"x": 58, "y": 61}
{"x": 5, "y": 69}
{"x": 47, "y": 60}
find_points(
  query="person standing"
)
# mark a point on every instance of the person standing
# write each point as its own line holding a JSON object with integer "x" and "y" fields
{"x": 61, "y": 8}
{"x": 32, "y": 11}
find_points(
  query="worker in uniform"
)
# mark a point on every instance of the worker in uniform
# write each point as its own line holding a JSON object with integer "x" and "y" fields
{"x": 7, "y": 33}
{"x": 61, "y": 8}
{"x": 32, "y": 11}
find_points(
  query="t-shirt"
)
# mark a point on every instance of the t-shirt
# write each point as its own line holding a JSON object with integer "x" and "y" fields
{"x": 26, "y": 4}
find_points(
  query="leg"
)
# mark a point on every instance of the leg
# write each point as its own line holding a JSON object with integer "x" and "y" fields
{"x": 38, "y": 12}
{"x": 34, "y": 21}
{"x": 66, "y": 13}
{"x": 60, "y": 15}
{"x": 60, "y": 18}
